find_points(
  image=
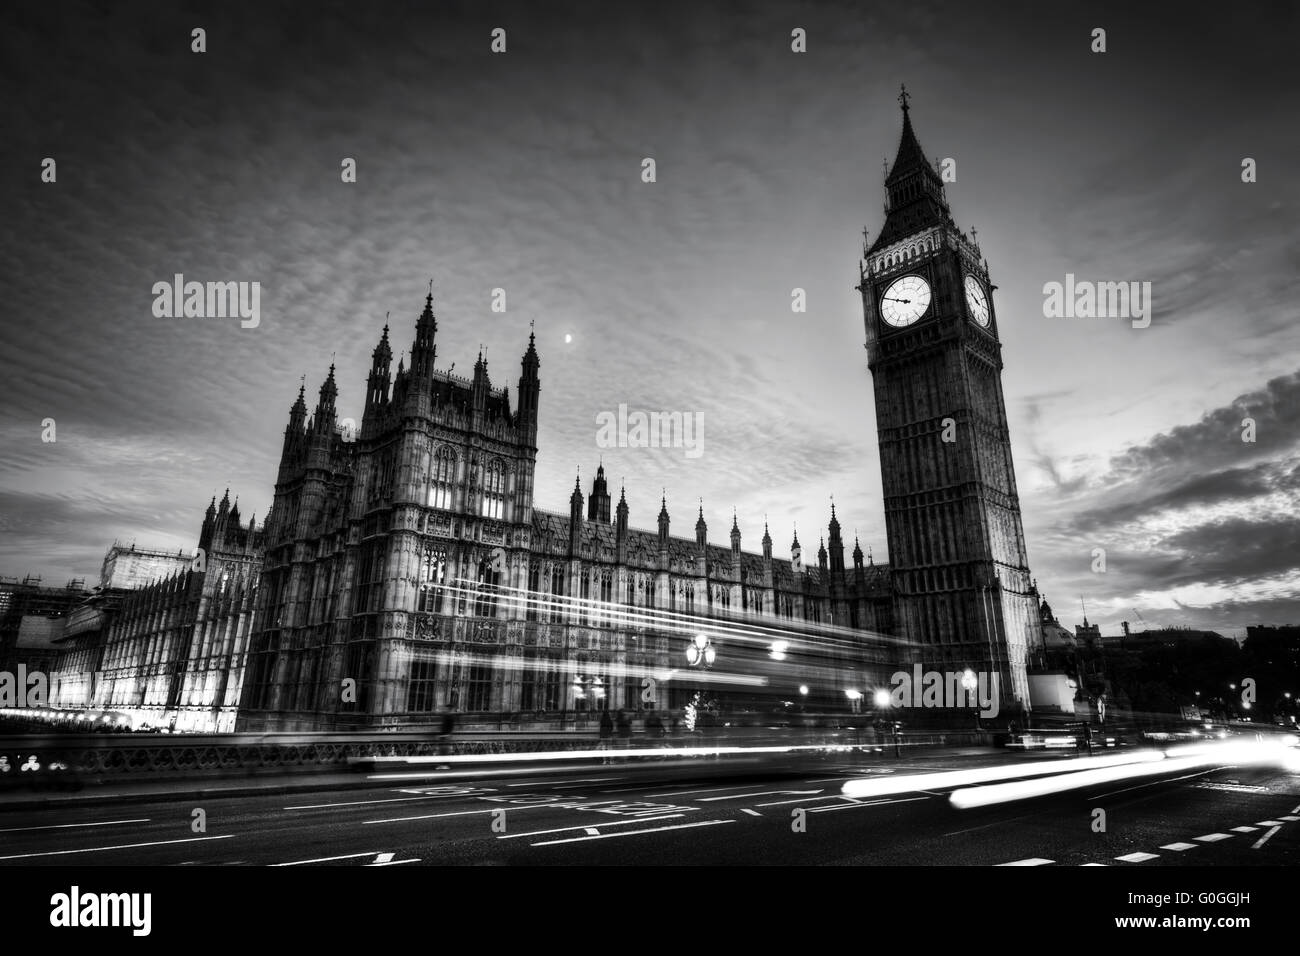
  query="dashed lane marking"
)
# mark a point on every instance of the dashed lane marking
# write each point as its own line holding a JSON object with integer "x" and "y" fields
{"x": 586, "y": 826}
{"x": 66, "y": 826}
{"x": 1264, "y": 839}
{"x": 126, "y": 846}
{"x": 1214, "y": 837}
{"x": 1032, "y": 861}
{"x": 1138, "y": 857}
{"x": 1180, "y": 847}
{"x": 328, "y": 859}
{"x": 628, "y": 833}
{"x": 767, "y": 793}
{"x": 854, "y": 803}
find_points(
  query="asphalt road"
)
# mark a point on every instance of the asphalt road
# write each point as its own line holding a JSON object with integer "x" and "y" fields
{"x": 687, "y": 812}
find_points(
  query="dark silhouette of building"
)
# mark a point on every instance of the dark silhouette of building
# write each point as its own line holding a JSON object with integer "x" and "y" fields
{"x": 952, "y": 514}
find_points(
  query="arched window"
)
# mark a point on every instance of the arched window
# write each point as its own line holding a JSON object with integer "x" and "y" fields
{"x": 433, "y": 579}
{"x": 557, "y": 594}
{"x": 494, "y": 490}
{"x": 485, "y": 598}
{"x": 541, "y": 684}
{"x": 442, "y": 480}
{"x": 606, "y": 596}
{"x": 534, "y": 590}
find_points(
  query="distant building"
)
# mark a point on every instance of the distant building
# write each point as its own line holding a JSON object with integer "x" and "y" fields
{"x": 31, "y": 620}
{"x": 128, "y": 568}
{"x": 1087, "y": 635}
{"x": 170, "y": 652}
{"x": 1153, "y": 637}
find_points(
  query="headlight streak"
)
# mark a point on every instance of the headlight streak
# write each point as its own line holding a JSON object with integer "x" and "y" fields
{"x": 880, "y": 787}
{"x": 1175, "y": 760}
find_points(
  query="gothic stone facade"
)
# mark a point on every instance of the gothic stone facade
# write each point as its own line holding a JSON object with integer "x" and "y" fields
{"x": 407, "y": 572}
{"x": 170, "y": 653}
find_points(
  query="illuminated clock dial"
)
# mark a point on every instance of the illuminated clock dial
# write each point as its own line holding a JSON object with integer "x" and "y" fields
{"x": 977, "y": 301}
{"x": 905, "y": 301}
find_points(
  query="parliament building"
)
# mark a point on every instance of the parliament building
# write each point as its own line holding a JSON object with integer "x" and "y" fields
{"x": 407, "y": 571}
{"x": 404, "y": 571}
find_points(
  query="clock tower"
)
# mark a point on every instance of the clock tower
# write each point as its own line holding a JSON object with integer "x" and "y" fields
{"x": 963, "y": 593}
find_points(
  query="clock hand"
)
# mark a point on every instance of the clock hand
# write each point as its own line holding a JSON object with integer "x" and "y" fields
{"x": 890, "y": 299}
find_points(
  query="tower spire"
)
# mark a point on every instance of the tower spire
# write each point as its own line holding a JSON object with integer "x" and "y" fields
{"x": 914, "y": 186}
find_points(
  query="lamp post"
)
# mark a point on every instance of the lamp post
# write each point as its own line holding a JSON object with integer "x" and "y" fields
{"x": 969, "y": 683}
{"x": 884, "y": 702}
{"x": 701, "y": 654}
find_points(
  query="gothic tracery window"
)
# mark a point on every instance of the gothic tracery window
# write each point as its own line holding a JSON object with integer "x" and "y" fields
{"x": 494, "y": 490}
{"x": 442, "y": 480}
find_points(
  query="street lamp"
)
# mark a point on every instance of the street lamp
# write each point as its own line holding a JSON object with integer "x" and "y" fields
{"x": 701, "y": 652}
{"x": 969, "y": 682}
{"x": 883, "y": 702}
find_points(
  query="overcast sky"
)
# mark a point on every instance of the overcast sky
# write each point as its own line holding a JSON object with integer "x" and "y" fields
{"x": 522, "y": 171}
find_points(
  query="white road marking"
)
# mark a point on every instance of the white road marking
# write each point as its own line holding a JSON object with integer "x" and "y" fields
{"x": 326, "y": 859}
{"x": 1137, "y": 857}
{"x": 1268, "y": 823}
{"x": 765, "y": 793}
{"x": 386, "y": 859}
{"x": 611, "y": 836}
{"x": 1244, "y": 829}
{"x": 1262, "y": 840}
{"x": 1290, "y": 819}
{"x": 855, "y": 803}
{"x": 588, "y": 827}
{"x": 1032, "y": 861}
{"x": 439, "y": 816}
{"x": 126, "y": 846}
{"x": 1094, "y": 864}
{"x": 1214, "y": 837}
{"x": 739, "y": 786}
{"x": 1296, "y": 810}
{"x": 682, "y": 793}
{"x": 1180, "y": 847}
{"x": 360, "y": 803}
{"x": 65, "y": 826}
{"x": 985, "y": 826}
{"x": 752, "y": 813}
{"x": 782, "y": 803}
{"x": 1154, "y": 783}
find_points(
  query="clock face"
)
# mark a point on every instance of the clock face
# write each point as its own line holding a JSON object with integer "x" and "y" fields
{"x": 977, "y": 301}
{"x": 905, "y": 301}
